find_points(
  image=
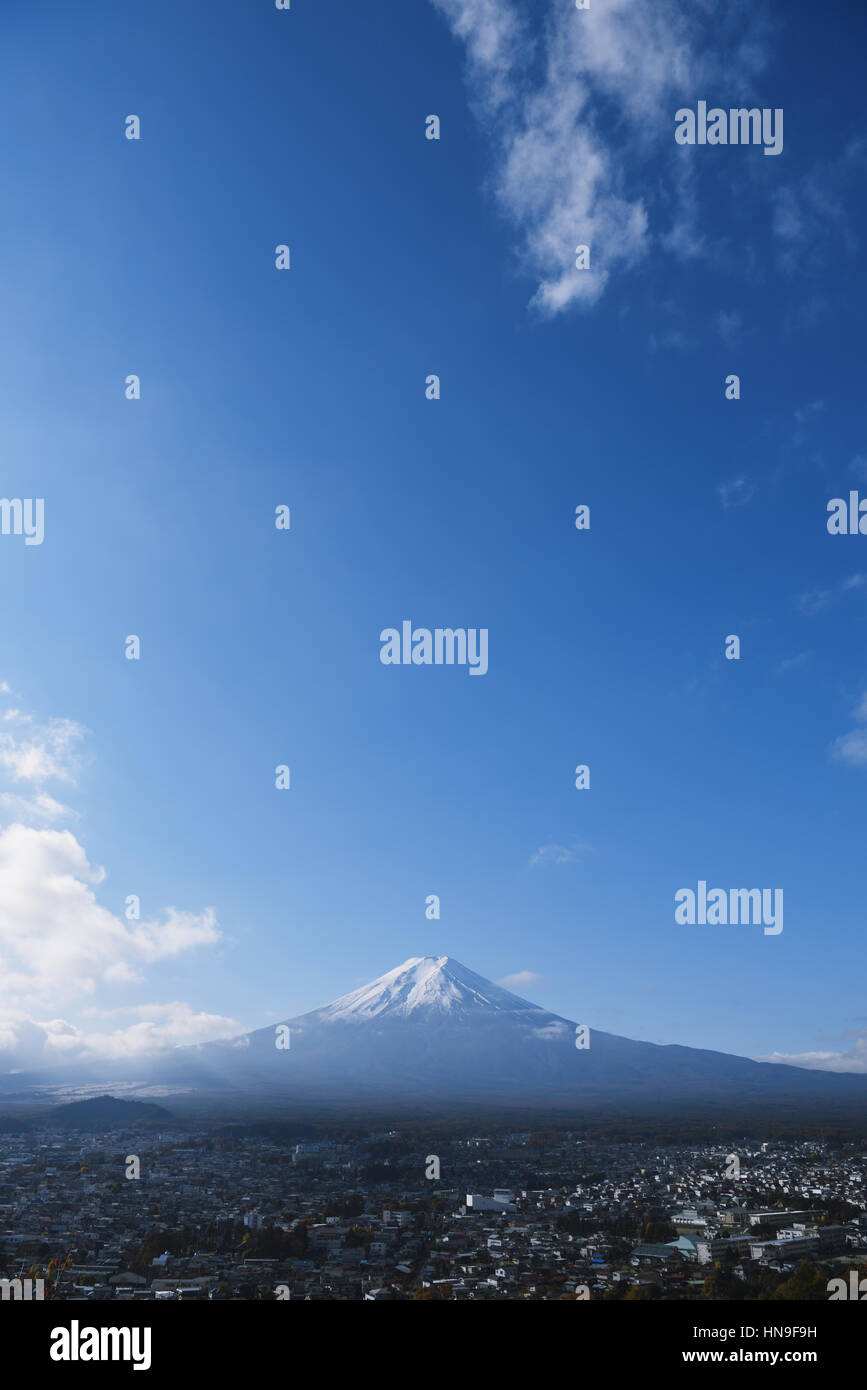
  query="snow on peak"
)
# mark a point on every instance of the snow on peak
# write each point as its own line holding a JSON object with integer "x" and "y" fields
{"x": 424, "y": 983}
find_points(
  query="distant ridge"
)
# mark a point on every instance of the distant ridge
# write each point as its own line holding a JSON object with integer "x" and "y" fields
{"x": 105, "y": 1112}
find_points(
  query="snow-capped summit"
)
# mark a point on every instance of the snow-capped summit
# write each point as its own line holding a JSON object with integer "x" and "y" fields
{"x": 424, "y": 982}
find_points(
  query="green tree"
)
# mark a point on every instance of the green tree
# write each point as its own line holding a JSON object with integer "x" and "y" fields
{"x": 806, "y": 1285}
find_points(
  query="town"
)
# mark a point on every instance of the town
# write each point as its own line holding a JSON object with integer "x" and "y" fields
{"x": 254, "y": 1213}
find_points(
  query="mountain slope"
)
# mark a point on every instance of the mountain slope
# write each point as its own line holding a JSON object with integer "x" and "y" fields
{"x": 431, "y": 1028}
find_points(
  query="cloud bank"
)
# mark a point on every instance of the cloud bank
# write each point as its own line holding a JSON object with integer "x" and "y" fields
{"x": 58, "y": 945}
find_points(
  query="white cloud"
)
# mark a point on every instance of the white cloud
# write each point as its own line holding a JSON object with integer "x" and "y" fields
{"x": 851, "y": 748}
{"x": 57, "y": 943}
{"x": 27, "y": 1043}
{"x": 568, "y": 114}
{"x": 522, "y": 977}
{"x": 47, "y": 753}
{"x": 495, "y": 35}
{"x": 552, "y": 1032}
{"x": 853, "y": 1060}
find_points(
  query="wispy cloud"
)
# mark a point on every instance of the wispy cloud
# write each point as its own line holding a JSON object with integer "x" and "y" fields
{"x": 851, "y": 748}
{"x": 736, "y": 493}
{"x": 669, "y": 338}
{"x": 819, "y": 600}
{"x": 521, "y": 977}
{"x": 815, "y": 602}
{"x": 729, "y": 325}
{"x": 41, "y": 809}
{"x": 567, "y": 113}
{"x": 792, "y": 661}
{"x": 858, "y": 466}
{"x": 804, "y": 415}
{"x": 48, "y": 752}
{"x": 809, "y": 217}
{"x": 560, "y": 854}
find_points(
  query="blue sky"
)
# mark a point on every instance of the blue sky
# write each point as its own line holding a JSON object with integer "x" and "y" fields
{"x": 305, "y": 387}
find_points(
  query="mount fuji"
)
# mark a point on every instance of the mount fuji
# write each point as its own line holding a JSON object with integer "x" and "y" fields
{"x": 432, "y": 1031}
